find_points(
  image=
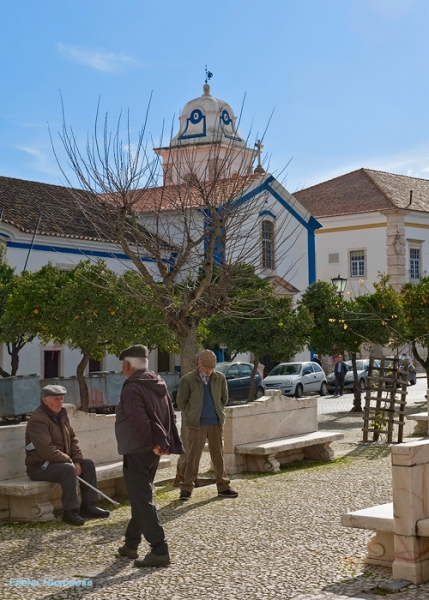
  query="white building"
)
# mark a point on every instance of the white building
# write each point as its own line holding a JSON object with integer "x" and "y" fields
{"x": 372, "y": 222}
{"x": 42, "y": 223}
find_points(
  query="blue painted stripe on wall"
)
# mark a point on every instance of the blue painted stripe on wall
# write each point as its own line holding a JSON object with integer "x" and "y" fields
{"x": 59, "y": 249}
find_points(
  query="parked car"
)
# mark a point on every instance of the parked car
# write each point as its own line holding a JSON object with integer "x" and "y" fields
{"x": 237, "y": 376}
{"x": 412, "y": 374}
{"x": 297, "y": 378}
{"x": 362, "y": 366}
{"x": 362, "y": 369}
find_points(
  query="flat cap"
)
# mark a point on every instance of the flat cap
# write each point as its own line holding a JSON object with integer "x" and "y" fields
{"x": 137, "y": 351}
{"x": 207, "y": 358}
{"x": 53, "y": 390}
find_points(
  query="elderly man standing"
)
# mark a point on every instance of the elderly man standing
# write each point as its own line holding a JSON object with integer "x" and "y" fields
{"x": 145, "y": 430}
{"x": 202, "y": 396}
{"x": 53, "y": 454}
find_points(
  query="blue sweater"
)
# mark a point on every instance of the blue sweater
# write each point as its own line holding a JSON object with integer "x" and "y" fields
{"x": 208, "y": 414}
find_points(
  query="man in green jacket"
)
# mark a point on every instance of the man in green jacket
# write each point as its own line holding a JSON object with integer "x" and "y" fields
{"x": 202, "y": 397}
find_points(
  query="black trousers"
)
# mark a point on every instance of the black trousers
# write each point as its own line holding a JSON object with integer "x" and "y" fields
{"x": 65, "y": 475}
{"x": 139, "y": 473}
{"x": 339, "y": 383}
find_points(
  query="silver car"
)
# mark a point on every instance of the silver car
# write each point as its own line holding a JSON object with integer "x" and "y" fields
{"x": 297, "y": 378}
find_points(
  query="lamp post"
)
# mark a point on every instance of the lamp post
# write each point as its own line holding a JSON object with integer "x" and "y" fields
{"x": 340, "y": 283}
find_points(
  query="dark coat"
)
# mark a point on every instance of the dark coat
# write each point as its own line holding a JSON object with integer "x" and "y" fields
{"x": 145, "y": 416}
{"x": 342, "y": 370}
{"x": 54, "y": 440}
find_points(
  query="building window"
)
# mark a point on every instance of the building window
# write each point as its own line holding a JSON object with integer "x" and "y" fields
{"x": 357, "y": 263}
{"x": 268, "y": 245}
{"x": 415, "y": 264}
{"x": 52, "y": 364}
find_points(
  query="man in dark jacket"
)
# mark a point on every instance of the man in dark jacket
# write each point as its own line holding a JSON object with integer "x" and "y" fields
{"x": 340, "y": 371}
{"x": 145, "y": 430}
{"x": 53, "y": 454}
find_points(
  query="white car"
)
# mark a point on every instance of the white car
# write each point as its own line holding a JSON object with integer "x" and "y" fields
{"x": 297, "y": 379}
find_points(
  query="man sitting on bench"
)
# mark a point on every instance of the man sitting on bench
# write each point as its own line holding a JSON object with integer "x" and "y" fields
{"x": 53, "y": 454}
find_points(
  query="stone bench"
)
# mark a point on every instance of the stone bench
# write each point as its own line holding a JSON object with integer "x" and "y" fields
{"x": 422, "y": 421}
{"x": 22, "y": 499}
{"x": 269, "y": 455}
{"x": 272, "y": 431}
{"x": 26, "y": 500}
{"x": 401, "y": 528}
{"x": 380, "y": 520}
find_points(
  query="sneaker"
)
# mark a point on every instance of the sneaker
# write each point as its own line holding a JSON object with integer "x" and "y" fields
{"x": 184, "y": 495}
{"x": 90, "y": 511}
{"x": 153, "y": 560}
{"x": 128, "y": 552}
{"x": 228, "y": 493}
{"x": 72, "y": 518}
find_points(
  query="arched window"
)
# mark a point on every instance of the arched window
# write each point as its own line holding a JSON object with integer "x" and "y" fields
{"x": 268, "y": 259}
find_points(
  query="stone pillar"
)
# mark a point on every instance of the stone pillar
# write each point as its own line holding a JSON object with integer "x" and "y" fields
{"x": 395, "y": 248}
{"x": 410, "y": 485}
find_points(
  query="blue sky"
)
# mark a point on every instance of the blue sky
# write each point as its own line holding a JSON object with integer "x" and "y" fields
{"x": 348, "y": 80}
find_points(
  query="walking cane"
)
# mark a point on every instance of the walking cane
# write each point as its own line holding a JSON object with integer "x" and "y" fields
{"x": 98, "y": 491}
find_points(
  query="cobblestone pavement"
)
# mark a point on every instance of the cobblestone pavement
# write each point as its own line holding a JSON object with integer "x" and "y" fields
{"x": 280, "y": 539}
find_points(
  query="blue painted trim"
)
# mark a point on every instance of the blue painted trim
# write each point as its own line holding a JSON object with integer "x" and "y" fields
{"x": 311, "y": 225}
{"x": 195, "y": 117}
{"x": 267, "y": 212}
{"x": 60, "y": 250}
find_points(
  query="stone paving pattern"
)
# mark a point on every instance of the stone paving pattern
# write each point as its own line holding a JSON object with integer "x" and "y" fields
{"x": 280, "y": 539}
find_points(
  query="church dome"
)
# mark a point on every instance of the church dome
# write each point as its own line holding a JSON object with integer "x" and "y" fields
{"x": 205, "y": 120}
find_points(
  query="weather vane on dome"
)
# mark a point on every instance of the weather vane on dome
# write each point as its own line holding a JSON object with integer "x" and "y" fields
{"x": 209, "y": 75}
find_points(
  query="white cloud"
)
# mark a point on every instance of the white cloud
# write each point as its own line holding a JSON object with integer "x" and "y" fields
{"x": 42, "y": 162}
{"x": 107, "y": 62}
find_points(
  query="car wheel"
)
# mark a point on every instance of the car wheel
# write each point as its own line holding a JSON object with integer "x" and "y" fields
{"x": 259, "y": 393}
{"x": 323, "y": 389}
{"x": 298, "y": 391}
{"x": 362, "y": 385}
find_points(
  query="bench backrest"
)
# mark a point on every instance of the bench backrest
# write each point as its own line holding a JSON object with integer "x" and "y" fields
{"x": 272, "y": 416}
{"x": 96, "y": 435}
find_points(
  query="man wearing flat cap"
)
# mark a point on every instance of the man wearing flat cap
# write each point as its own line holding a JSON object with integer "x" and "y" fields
{"x": 145, "y": 430}
{"x": 202, "y": 396}
{"x": 53, "y": 454}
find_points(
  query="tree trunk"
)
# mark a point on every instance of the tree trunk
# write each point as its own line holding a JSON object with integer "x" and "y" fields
{"x": 357, "y": 405}
{"x": 252, "y": 394}
{"x": 14, "y": 360}
{"x": 187, "y": 338}
{"x": 424, "y": 363}
{"x": 84, "y": 394}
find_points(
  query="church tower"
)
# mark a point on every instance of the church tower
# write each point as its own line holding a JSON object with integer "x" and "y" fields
{"x": 208, "y": 146}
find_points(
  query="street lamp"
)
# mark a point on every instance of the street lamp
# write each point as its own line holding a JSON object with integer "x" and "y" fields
{"x": 340, "y": 283}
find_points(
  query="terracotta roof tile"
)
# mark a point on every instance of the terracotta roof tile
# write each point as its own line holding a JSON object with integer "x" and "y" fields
{"x": 364, "y": 191}
{"x": 21, "y": 203}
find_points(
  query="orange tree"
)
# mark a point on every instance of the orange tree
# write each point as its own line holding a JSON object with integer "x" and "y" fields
{"x": 415, "y": 297}
{"x": 339, "y": 326}
{"x": 264, "y": 325}
{"x": 87, "y": 309}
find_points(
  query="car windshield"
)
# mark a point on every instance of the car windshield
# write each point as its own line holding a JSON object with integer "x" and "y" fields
{"x": 222, "y": 368}
{"x": 288, "y": 369}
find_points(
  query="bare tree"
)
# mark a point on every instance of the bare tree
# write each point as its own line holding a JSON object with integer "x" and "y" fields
{"x": 185, "y": 237}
